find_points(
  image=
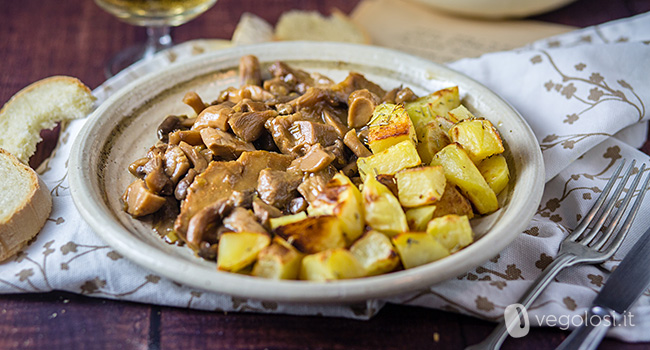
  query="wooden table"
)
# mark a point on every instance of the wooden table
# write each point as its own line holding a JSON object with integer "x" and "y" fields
{"x": 43, "y": 38}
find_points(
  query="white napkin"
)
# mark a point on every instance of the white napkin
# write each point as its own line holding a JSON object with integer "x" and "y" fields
{"x": 575, "y": 90}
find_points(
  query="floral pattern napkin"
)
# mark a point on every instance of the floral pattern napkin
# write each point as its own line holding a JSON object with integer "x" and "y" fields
{"x": 585, "y": 94}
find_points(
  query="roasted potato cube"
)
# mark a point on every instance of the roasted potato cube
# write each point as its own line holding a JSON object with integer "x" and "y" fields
{"x": 425, "y": 109}
{"x": 444, "y": 124}
{"x": 342, "y": 199}
{"x": 431, "y": 139}
{"x": 495, "y": 171}
{"x": 479, "y": 138}
{"x": 418, "y": 218}
{"x": 418, "y": 248}
{"x": 286, "y": 219}
{"x": 452, "y": 231}
{"x": 280, "y": 260}
{"x": 376, "y": 253}
{"x": 452, "y": 202}
{"x": 313, "y": 234}
{"x": 459, "y": 113}
{"x": 391, "y": 160}
{"x": 390, "y": 125}
{"x": 382, "y": 210}
{"x": 239, "y": 249}
{"x": 461, "y": 171}
{"x": 389, "y": 182}
{"x": 420, "y": 186}
{"x": 331, "y": 264}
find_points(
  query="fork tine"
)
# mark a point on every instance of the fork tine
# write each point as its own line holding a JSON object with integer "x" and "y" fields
{"x": 611, "y": 202}
{"x": 625, "y": 227}
{"x": 599, "y": 203}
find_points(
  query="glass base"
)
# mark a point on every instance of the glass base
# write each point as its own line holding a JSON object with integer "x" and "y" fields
{"x": 158, "y": 38}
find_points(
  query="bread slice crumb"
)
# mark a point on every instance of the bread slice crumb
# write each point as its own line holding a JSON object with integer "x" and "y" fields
{"x": 252, "y": 29}
{"x": 311, "y": 25}
{"x": 40, "y": 106}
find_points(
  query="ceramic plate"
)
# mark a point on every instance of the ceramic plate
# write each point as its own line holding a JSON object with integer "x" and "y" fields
{"x": 123, "y": 128}
{"x": 496, "y": 9}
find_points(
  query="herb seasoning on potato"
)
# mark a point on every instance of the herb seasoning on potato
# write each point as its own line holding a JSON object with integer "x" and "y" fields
{"x": 295, "y": 176}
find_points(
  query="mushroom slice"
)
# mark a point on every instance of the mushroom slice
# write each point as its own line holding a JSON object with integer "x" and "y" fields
{"x": 243, "y": 220}
{"x": 277, "y": 187}
{"x": 223, "y": 144}
{"x": 194, "y": 156}
{"x": 214, "y": 117}
{"x": 156, "y": 179}
{"x": 176, "y": 163}
{"x": 316, "y": 159}
{"x": 193, "y": 137}
{"x": 405, "y": 95}
{"x": 205, "y": 219}
{"x": 361, "y": 105}
{"x": 264, "y": 212}
{"x": 193, "y": 100}
{"x": 310, "y": 133}
{"x": 139, "y": 201}
{"x": 249, "y": 126}
{"x": 249, "y": 70}
{"x": 181, "y": 187}
{"x": 354, "y": 144}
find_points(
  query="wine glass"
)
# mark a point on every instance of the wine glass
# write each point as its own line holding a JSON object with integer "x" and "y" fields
{"x": 158, "y": 16}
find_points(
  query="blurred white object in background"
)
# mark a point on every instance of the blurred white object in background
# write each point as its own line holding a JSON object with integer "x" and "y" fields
{"x": 496, "y": 9}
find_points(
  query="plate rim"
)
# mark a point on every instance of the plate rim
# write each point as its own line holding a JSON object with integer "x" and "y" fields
{"x": 352, "y": 290}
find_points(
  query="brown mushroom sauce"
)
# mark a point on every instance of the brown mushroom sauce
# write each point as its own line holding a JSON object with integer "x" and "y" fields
{"x": 259, "y": 151}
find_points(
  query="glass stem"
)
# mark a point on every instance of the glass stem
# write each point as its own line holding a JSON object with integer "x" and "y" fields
{"x": 158, "y": 38}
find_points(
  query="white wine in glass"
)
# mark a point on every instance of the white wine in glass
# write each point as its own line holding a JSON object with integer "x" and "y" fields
{"x": 158, "y": 16}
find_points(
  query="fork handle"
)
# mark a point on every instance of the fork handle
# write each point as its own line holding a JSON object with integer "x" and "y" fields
{"x": 499, "y": 334}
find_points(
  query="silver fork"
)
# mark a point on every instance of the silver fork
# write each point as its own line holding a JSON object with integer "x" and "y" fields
{"x": 583, "y": 246}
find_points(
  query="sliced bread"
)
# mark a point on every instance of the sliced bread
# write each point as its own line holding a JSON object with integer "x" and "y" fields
{"x": 25, "y": 204}
{"x": 307, "y": 25}
{"x": 40, "y": 106}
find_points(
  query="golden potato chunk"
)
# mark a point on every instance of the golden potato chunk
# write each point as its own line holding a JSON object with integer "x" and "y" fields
{"x": 382, "y": 210}
{"x": 452, "y": 231}
{"x": 280, "y": 260}
{"x": 425, "y": 109}
{"x": 418, "y": 248}
{"x": 376, "y": 253}
{"x": 389, "y": 125}
{"x": 461, "y": 171}
{"x": 342, "y": 199}
{"x": 313, "y": 234}
{"x": 418, "y": 218}
{"x": 479, "y": 138}
{"x": 420, "y": 186}
{"x": 431, "y": 139}
{"x": 444, "y": 124}
{"x": 459, "y": 113}
{"x": 331, "y": 264}
{"x": 495, "y": 171}
{"x": 239, "y": 249}
{"x": 286, "y": 219}
{"x": 391, "y": 160}
{"x": 453, "y": 202}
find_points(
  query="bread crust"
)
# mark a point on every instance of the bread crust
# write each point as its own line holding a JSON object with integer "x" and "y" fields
{"x": 41, "y": 105}
{"x": 26, "y": 222}
{"x": 46, "y": 81}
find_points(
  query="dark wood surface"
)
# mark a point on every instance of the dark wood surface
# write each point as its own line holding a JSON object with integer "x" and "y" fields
{"x": 42, "y": 38}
